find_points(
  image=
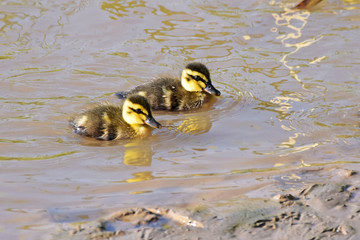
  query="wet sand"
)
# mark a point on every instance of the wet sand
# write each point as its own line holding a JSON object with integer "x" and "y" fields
{"x": 323, "y": 210}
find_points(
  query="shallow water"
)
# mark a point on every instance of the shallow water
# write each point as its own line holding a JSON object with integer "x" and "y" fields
{"x": 290, "y": 98}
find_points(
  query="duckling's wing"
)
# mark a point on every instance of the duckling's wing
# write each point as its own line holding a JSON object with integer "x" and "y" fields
{"x": 108, "y": 135}
{"x": 122, "y": 94}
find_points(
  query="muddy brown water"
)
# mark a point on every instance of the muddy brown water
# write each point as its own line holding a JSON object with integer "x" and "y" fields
{"x": 290, "y": 98}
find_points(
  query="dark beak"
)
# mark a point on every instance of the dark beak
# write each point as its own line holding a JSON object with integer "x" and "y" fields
{"x": 152, "y": 122}
{"x": 209, "y": 88}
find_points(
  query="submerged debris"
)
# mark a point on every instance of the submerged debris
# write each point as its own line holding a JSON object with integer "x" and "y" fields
{"x": 129, "y": 220}
{"x": 170, "y": 214}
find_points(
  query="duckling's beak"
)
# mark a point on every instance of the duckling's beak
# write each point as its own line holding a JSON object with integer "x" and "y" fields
{"x": 152, "y": 122}
{"x": 209, "y": 88}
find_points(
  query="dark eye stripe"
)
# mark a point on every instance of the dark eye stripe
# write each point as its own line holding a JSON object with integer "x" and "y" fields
{"x": 139, "y": 111}
{"x": 197, "y": 78}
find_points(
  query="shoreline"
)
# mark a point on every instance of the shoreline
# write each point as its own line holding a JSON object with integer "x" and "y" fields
{"x": 326, "y": 209}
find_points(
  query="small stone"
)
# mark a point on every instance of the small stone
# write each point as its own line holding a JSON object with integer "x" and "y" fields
{"x": 286, "y": 197}
{"x": 119, "y": 233}
{"x": 350, "y": 173}
{"x": 79, "y": 228}
{"x": 260, "y": 223}
{"x": 352, "y": 188}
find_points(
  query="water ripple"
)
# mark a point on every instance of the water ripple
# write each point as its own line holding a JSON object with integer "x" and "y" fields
{"x": 43, "y": 157}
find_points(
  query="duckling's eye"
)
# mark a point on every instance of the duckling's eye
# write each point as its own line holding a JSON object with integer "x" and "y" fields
{"x": 138, "y": 111}
{"x": 197, "y": 78}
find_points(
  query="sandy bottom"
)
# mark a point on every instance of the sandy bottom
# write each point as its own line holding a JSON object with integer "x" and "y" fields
{"x": 328, "y": 210}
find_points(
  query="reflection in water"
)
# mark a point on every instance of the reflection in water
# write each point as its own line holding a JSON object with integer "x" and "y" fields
{"x": 137, "y": 154}
{"x": 292, "y": 177}
{"x": 293, "y": 148}
{"x": 140, "y": 176}
{"x": 175, "y": 26}
{"x": 195, "y": 125}
{"x": 291, "y": 19}
{"x": 20, "y": 29}
{"x": 44, "y": 157}
{"x": 120, "y": 8}
{"x": 295, "y": 21}
{"x": 9, "y": 22}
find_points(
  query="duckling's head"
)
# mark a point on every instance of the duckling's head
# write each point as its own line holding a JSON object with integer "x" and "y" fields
{"x": 136, "y": 110}
{"x": 196, "y": 78}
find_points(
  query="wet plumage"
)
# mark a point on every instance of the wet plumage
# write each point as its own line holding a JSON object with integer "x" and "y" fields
{"x": 108, "y": 121}
{"x": 188, "y": 92}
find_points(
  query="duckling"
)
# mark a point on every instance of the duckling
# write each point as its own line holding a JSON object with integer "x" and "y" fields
{"x": 108, "y": 121}
{"x": 189, "y": 92}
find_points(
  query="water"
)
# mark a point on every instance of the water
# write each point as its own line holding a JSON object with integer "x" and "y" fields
{"x": 290, "y": 98}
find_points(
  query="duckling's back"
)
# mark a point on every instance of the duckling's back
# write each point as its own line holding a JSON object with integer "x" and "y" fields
{"x": 167, "y": 94}
{"x": 104, "y": 122}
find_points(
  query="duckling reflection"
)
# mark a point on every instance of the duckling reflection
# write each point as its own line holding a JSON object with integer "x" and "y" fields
{"x": 195, "y": 125}
{"x": 137, "y": 155}
{"x": 191, "y": 91}
{"x": 140, "y": 176}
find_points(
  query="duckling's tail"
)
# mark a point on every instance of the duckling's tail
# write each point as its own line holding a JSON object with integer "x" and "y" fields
{"x": 77, "y": 129}
{"x": 122, "y": 94}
